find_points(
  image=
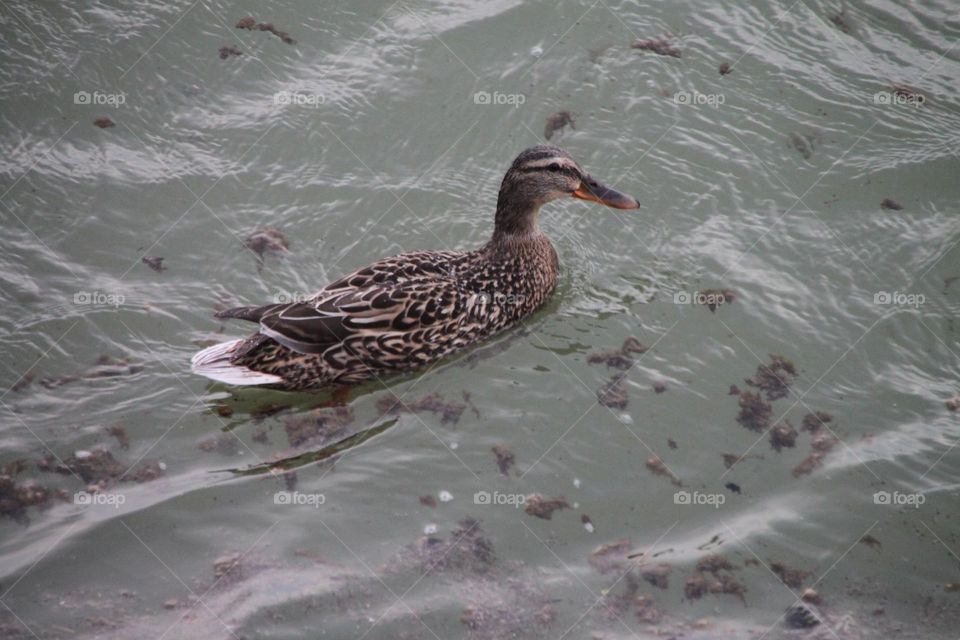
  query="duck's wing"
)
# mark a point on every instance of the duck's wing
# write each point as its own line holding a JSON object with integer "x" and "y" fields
{"x": 336, "y": 315}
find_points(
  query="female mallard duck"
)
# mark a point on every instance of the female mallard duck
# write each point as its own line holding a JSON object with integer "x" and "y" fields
{"x": 410, "y": 310}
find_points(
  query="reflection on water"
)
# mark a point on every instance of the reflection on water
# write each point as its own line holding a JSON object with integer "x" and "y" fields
{"x": 766, "y": 455}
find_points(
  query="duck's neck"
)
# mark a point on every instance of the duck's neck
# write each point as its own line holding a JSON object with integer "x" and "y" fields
{"x": 516, "y": 216}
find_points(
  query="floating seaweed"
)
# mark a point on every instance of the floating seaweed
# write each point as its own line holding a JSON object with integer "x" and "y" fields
{"x": 449, "y": 412}
{"x": 557, "y": 122}
{"x": 104, "y": 367}
{"x": 251, "y": 24}
{"x": 658, "y": 575}
{"x": 791, "y": 577}
{"x": 660, "y": 46}
{"x": 714, "y": 564}
{"x": 614, "y": 394}
{"x": 268, "y": 240}
{"x": 619, "y": 358}
{"x": 227, "y": 51}
{"x": 611, "y": 557}
{"x": 659, "y": 468}
{"x": 505, "y": 458}
{"x": 154, "y": 262}
{"x": 783, "y": 436}
{"x": 120, "y": 433}
{"x": 774, "y": 378}
{"x": 542, "y": 507}
{"x": 754, "y": 412}
{"x": 803, "y": 143}
{"x": 730, "y": 460}
{"x": 813, "y": 422}
{"x": 318, "y": 425}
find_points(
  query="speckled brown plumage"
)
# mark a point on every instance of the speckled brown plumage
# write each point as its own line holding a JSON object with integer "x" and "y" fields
{"x": 407, "y": 311}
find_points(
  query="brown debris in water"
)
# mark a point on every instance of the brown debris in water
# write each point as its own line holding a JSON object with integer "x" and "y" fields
{"x": 449, "y": 412}
{"x": 809, "y": 464}
{"x": 505, "y": 458}
{"x": 890, "y": 205}
{"x": 659, "y": 468}
{"x": 783, "y": 436}
{"x": 658, "y": 575}
{"x": 263, "y": 411}
{"x": 611, "y": 557}
{"x": 734, "y": 390}
{"x": 699, "y": 584}
{"x": 25, "y": 381}
{"x": 428, "y": 501}
{"x": 714, "y": 564}
{"x": 791, "y": 577}
{"x": 660, "y": 46}
{"x": 120, "y": 433}
{"x": 267, "y": 240}
{"x": 754, "y": 412}
{"x": 104, "y": 367}
{"x": 613, "y": 394}
{"x": 619, "y": 358}
{"x": 318, "y": 424}
{"x": 774, "y": 378}
{"x": 953, "y": 404}
{"x": 870, "y": 541}
{"x": 104, "y": 122}
{"x": 557, "y": 122}
{"x": 154, "y": 262}
{"x": 659, "y": 387}
{"x": 672, "y": 444}
{"x": 730, "y": 460}
{"x": 841, "y": 21}
{"x": 465, "y": 550}
{"x": 542, "y": 507}
{"x": 251, "y": 24}
{"x": 97, "y": 465}
{"x": 227, "y": 51}
{"x": 16, "y": 497}
{"x": 725, "y": 68}
{"x": 225, "y": 444}
{"x": 813, "y": 422}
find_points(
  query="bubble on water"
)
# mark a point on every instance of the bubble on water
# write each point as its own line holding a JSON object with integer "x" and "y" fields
{"x": 577, "y": 483}
{"x": 82, "y": 454}
{"x": 163, "y": 466}
{"x": 430, "y": 529}
{"x": 588, "y": 526}
{"x": 454, "y": 445}
{"x": 445, "y": 496}
{"x": 626, "y": 418}
{"x": 536, "y": 51}
{"x": 576, "y": 505}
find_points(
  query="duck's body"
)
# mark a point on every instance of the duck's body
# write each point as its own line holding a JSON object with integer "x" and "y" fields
{"x": 404, "y": 312}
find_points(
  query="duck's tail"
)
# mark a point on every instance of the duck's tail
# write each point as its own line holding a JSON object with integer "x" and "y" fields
{"x": 216, "y": 363}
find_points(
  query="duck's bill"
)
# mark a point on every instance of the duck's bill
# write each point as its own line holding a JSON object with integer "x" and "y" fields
{"x": 596, "y": 192}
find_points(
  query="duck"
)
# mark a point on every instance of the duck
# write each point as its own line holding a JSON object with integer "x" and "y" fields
{"x": 411, "y": 310}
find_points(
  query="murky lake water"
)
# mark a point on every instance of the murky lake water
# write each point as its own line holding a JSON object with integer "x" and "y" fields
{"x": 387, "y": 127}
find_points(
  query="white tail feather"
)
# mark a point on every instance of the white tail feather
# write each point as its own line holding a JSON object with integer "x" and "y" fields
{"x": 214, "y": 363}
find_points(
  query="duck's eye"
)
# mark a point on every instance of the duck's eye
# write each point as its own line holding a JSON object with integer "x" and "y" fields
{"x": 554, "y": 166}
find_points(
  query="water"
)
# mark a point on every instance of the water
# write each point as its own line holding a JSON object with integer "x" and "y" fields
{"x": 767, "y": 181}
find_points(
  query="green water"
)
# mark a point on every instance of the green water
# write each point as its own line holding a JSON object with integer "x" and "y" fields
{"x": 767, "y": 181}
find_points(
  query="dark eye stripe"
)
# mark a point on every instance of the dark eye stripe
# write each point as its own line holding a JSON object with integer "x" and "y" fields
{"x": 571, "y": 171}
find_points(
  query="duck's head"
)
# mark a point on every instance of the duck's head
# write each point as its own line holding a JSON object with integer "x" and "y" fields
{"x": 544, "y": 173}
